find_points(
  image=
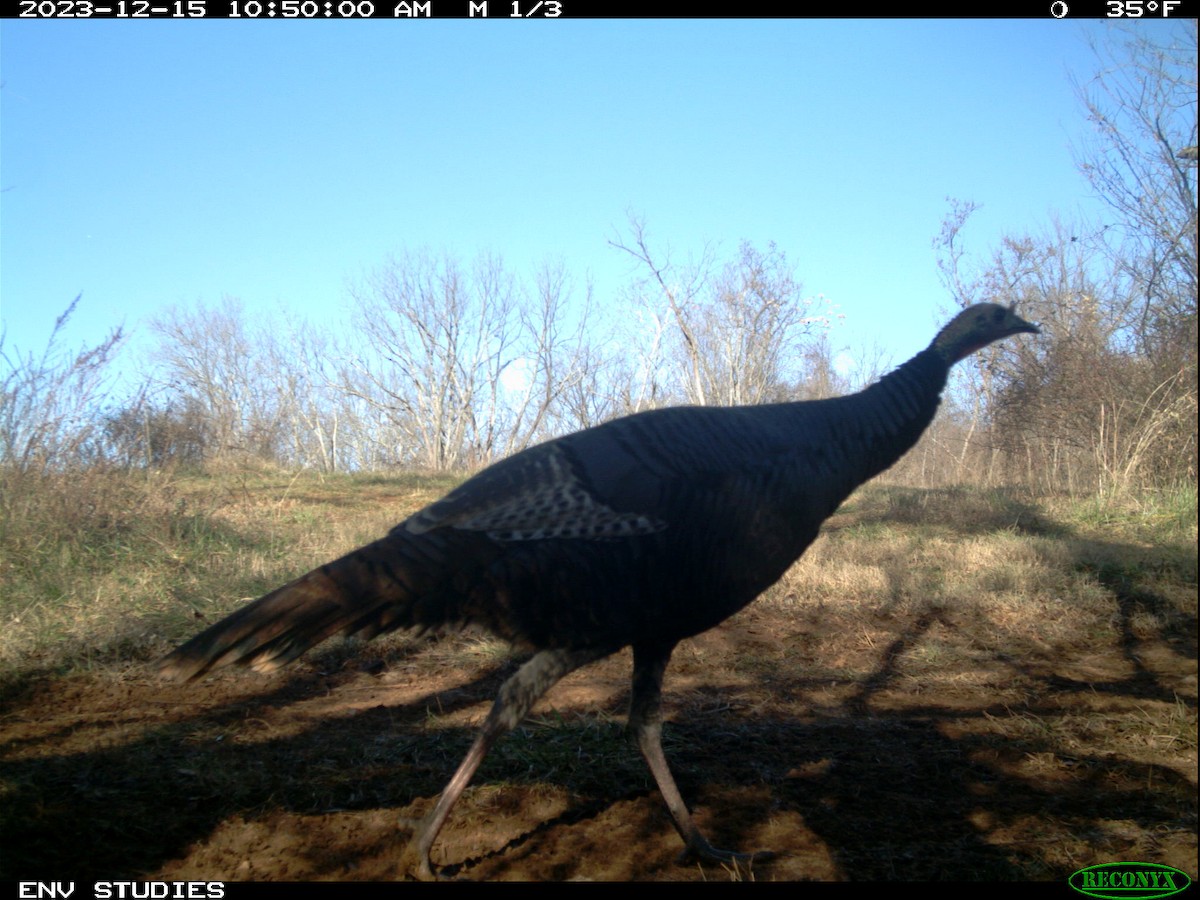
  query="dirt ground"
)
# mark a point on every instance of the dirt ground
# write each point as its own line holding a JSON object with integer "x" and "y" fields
{"x": 846, "y": 753}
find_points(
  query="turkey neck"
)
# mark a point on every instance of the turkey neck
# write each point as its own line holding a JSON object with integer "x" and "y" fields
{"x": 845, "y": 441}
{"x": 884, "y": 421}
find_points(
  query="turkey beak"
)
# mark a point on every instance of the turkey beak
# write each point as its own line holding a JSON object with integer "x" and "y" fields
{"x": 1019, "y": 325}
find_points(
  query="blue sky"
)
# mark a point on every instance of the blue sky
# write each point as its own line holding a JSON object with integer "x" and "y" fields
{"x": 146, "y": 164}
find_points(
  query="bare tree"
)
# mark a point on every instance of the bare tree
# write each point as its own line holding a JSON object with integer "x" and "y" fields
{"x": 555, "y": 361}
{"x": 50, "y": 404}
{"x": 303, "y": 375}
{"x": 1082, "y": 407}
{"x": 437, "y": 339}
{"x": 756, "y": 328}
{"x": 464, "y": 366}
{"x": 820, "y": 378}
{"x": 593, "y": 395}
{"x": 1107, "y": 398}
{"x": 1143, "y": 105}
{"x": 213, "y": 358}
{"x": 145, "y": 435}
{"x": 682, "y": 289}
{"x": 740, "y": 333}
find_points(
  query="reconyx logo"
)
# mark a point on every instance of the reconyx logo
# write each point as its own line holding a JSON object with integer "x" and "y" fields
{"x": 1129, "y": 881}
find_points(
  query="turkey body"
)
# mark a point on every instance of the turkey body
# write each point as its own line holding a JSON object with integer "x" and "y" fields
{"x": 639, "y": 532}
{"x": 723, "y": 501}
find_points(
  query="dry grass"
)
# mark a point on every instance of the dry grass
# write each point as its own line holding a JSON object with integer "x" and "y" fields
{"x": 105, "y": 566}
{"x": 1024, "y": 571}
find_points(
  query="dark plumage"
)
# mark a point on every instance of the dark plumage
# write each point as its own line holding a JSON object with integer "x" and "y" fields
{"x": 642, "y": 531}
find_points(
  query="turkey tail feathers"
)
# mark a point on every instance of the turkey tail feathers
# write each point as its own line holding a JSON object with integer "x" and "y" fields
{"x": 266, "y": 634}
{"x": 363, "y": 592}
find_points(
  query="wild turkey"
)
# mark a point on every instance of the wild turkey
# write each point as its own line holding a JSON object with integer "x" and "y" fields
{"x": 641, "y": 531}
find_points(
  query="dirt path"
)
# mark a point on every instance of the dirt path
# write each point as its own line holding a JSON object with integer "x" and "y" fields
{"x": 835, "y": 750}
